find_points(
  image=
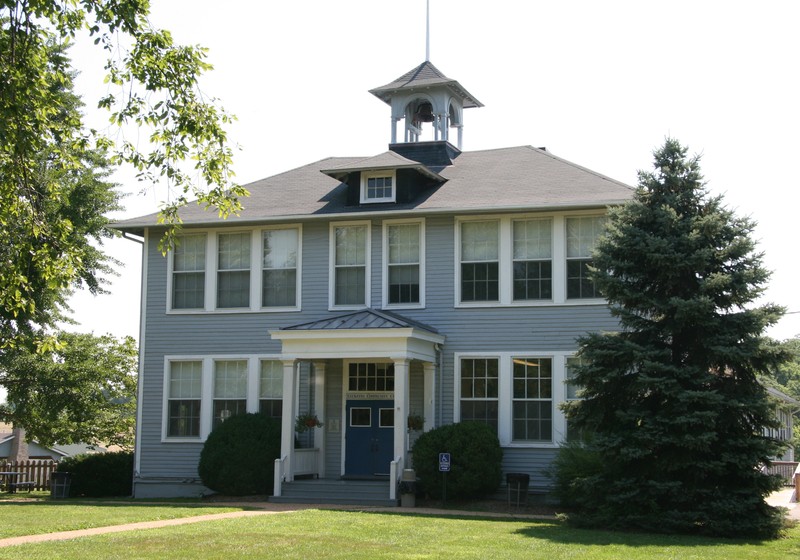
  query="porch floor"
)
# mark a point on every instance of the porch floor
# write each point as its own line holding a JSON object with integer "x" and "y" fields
{"x": 336, "y": 491}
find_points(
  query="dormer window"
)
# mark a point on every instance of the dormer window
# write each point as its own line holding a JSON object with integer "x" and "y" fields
{"x": 377, "y": 186}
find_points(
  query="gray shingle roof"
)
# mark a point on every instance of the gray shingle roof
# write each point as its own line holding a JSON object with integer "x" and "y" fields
{"x": 366, "y": 319}
{"x": 424, "y": 75}
{"x": 521, "y": 178}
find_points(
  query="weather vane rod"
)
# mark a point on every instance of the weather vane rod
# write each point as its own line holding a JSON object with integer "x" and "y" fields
{"x": 427, "y": 30}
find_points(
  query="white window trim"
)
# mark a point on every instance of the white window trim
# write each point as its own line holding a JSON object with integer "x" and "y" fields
{"x": 385, "y": 265}
{"x": 506, "y": 260}
{"x": 256, "y": 247}
{"x": 299, "y": 268}
{"x": 505, "y": 394}
{"x": 332, "y": 266}
{"x": 391, "y": 173}
{"x": 207, "y": 389}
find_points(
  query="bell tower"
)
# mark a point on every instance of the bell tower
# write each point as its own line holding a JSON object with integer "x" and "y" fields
{"x": 425, "y": 97}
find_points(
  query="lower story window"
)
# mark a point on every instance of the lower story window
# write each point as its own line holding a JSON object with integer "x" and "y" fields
{"x": 532, "y": 408}
{"x": 183, "y": 407}
{"x": 479, "y": 390}
{"x": 230, "y": 390}
{"x": 271, "y": 389}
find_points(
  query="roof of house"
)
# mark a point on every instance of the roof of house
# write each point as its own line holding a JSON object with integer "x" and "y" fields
{"x": 506, "y": 179}
{"x": 366, "y": 319}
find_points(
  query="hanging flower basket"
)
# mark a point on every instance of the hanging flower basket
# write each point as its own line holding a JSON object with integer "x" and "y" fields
{"x": 416, "y": 422}
{"x": 307, "y": 421}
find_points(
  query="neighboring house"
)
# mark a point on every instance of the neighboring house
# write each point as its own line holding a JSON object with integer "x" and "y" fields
{"x": 35, "y": 450}
{"x": 424, "y": 281}
{"x": 785, "y": 409}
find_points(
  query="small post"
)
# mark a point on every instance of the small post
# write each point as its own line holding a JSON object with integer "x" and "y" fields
{"x": 444, "y": 468}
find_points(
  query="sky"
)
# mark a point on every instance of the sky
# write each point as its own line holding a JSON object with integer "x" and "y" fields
{"x": 601, "y": 84}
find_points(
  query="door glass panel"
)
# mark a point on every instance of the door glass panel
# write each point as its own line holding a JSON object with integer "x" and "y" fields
{"x": 386, "y": 418}
{"x": 361, "y": 417}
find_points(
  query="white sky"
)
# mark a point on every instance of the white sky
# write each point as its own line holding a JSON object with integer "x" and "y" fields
{"x": 598, "y": 83}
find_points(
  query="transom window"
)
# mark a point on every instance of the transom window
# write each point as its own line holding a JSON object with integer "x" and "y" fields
{"x": 230, "y": 389}
{"x": 480, "y": 260}
{"x": 533, "y": 264}
{"x": 279, "y": 268}
{"x": 377, "y": 186}
{"x": 233, "y": 270}
{"x": 189, "y": 272}
{"x": 371, "y": 377}
{"x": 350, "y": 248}
{"x": 479, "y": 390}
{"x": 183, "y": 403}
{"x": 532, "y": 410}
{"x": 403, "y": 263}
{"x": 582, "y": 235}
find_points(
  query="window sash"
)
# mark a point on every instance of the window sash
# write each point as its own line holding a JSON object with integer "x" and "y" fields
{"x": 271, "y": 380}
{"x": 233, "y": 270}
{"x": 183, "y": 418}
{"x": 532, "y": 399}
{"x": 230, "y": 379}
{"x": 379, "y": 188}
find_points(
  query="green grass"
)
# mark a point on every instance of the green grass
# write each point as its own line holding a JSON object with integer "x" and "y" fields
{"x": 314, "y": 534}
{"x": 35, "y": 517}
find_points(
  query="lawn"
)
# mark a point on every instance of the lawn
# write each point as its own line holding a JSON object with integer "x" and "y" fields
{"x": 315, "y": 534}
{"x": 39, "y": 516}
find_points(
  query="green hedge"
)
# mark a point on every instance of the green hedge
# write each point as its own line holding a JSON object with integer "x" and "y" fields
{"x": 238, "y": 457}
{"x": 475, "y": 460}
{"x": 99, "y": 475}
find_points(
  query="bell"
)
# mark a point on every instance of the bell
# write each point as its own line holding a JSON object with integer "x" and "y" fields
{"x": 424, "y": 113}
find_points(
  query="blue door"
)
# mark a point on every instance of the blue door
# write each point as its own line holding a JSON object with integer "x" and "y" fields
{"x": 369, "y": 440}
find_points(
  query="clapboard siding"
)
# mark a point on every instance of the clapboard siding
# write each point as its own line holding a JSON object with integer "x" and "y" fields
{"x": 529, "y": 329}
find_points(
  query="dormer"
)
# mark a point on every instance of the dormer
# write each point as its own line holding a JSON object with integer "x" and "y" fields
{"x": 388, "y": 178}
{"x": 425, "y": 95}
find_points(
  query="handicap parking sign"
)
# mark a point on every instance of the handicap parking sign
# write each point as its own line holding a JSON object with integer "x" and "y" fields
{"x": 444, "y": 462}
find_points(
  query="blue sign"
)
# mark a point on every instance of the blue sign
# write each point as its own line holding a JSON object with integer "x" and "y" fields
{"x": 444, "y": 462}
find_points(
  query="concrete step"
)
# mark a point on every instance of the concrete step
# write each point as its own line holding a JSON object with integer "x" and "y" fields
{"x": 343, "y": 492}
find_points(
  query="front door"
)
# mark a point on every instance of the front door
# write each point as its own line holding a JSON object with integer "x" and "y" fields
{"x": 369, "y": 438}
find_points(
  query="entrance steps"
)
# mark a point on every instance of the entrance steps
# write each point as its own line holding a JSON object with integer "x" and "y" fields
{"x": 340, "y": 492}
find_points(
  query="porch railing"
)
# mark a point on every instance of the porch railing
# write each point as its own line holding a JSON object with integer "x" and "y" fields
{"x": 277, "y": 483}
{"x": 37, "y": 471}
{"x": 395, "y": 470}
{"x": 306, "y": 461}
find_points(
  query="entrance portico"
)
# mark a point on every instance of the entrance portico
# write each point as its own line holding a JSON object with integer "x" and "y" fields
{"x": 377, "y": 351}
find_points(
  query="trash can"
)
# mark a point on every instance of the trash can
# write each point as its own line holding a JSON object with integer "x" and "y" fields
{"x": 59, "y": 485}
{"x": 408, "y": 488}
{"x": 518, "y": 488}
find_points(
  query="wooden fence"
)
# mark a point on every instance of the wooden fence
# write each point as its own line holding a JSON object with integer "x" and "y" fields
{"x": 35, "y": 470}
{"x": 785, "y": 469}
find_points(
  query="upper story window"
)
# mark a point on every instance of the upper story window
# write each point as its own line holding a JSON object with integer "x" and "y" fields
{"x": 480, "y": 261}
{"x": 350, "y": 248}
{"x": 533, "y": 259}
{"x": 233, "y": 269}
{"x": 403, "y": 258}
{"x": 184, "y": 392}
{"x": 378, "y": 187}
{"x": 582, "y": 235}
{"x": 279, "y": 276}
{"x": 189, "y": 272}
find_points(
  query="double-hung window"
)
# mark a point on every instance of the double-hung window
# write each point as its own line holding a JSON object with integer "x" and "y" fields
{"x": 480, "y": 261}
{"x": 279, "y": 267}
{"x": 573, "y": 394}
{"x": 378, "y": 186}
{"x": 189, "y": 272}
{"x": 230, "y": 390}
{"x": 532, "y": 407}
{"x": 350, "y": 264}
{"x": 184, "y": 397}
{"x": 533, "y": 259}
{"x": 403, "y": 263}
{"x": 582, "y": 234}
{"x": 271, "y": 389}
{"x": 233, "y": 270}
{"x": 479, "y": 390}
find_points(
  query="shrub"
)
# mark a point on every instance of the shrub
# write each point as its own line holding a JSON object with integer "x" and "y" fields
{"x": 574, "y": 471}
{"x": 238, "y": 457}
{"x": 475, "y": 458}
{"x": 99, "y": 475}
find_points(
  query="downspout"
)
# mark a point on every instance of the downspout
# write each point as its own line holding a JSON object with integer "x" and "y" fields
{"x": 438, "y": 372}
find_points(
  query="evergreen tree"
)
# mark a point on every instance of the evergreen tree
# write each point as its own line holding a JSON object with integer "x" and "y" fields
{"x": 672, "y": 401}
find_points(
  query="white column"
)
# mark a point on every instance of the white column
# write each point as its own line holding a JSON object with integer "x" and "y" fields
{"x": 288, "y": 418}
{"x": 428, "y": 392}
{"x": 400, "y": 409}
{"x": 394, "y": 130}
{"x": 319, "y": 410}
{"x": 460, "y": 135}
